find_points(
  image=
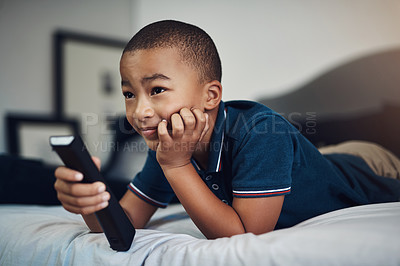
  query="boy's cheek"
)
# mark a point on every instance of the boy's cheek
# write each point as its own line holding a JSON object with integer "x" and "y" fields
{"x": 130, "y": 120}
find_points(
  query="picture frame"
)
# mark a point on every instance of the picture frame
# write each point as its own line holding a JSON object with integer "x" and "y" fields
{"x": 88, "y": 86}
{"x": 28, "y": 135}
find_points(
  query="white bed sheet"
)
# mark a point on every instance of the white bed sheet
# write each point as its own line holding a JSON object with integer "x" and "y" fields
{"x": 364, "y": 235}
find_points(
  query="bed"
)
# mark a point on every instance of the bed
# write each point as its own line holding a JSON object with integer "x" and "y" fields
{"x": 327, "y": 112}
{"x": 363, "y": 235}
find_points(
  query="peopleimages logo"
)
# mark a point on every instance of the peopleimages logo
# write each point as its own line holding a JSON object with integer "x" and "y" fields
{"x": 305, "y": 123}
{"x": 133, "y": 145}
{"x": 105, "y": 123}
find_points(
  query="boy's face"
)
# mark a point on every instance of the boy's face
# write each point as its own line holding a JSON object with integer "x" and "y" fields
{"x": 157, "y": 84}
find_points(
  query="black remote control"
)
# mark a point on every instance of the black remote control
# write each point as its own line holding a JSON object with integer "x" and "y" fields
{"x": 116, "y": 225}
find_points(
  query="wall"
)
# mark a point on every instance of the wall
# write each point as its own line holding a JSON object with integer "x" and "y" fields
{"x": 26, "y": 51}
{"x": 267, "y": 47}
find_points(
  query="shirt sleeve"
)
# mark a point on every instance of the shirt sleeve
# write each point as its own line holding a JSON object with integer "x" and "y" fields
{"x": 263, "y": 160}
{"x": 151, "y": 185}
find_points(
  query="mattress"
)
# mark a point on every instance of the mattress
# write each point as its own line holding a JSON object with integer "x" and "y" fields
{"x": 42, "y": 235}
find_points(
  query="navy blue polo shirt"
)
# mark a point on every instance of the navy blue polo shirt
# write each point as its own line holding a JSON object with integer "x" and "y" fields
{"x": 255, "y": 152}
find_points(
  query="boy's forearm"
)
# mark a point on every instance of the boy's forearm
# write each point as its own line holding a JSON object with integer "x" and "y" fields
{"x": 213, "y": 217}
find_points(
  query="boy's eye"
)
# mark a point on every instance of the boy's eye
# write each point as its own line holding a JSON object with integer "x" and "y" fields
{"x": 157, "y": 90}
{"x": 128, "y": 95}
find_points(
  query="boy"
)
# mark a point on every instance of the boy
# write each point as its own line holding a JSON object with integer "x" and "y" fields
{"x": 236, "y": 167}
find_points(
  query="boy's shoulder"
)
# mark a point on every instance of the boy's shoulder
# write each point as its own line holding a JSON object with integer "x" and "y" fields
{"x": 249, "y": 119}
{"x": 249, "y": 109}
{"x": 242, "y": 116}
{"x": 245, "y": 105}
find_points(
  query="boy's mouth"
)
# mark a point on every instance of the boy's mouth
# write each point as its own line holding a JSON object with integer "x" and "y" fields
{"x": 148, "y": 131}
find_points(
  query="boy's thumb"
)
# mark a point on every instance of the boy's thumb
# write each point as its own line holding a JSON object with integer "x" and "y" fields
{"x": 96, "y": 161}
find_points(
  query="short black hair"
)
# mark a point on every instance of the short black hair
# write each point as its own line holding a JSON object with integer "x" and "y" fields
{"x": 195, "y": 46}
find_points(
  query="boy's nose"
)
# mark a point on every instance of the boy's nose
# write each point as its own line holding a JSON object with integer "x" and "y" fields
{"x": 143, "y": 110}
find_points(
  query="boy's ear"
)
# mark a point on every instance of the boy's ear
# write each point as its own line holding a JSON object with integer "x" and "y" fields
{"x": 214, "y": 94}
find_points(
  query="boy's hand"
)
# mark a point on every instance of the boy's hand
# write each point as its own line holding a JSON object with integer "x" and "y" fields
{"x": 188, "y": 128}
{"x": 80, "y": 198}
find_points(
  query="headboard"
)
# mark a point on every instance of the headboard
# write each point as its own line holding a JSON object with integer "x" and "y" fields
{"x": 359, "y": 99}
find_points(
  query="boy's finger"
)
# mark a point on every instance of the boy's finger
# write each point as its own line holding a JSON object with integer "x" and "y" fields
{"x": 84, "y": 201}
{"x": 80, "y": 189}
{"x": 178, "y": 127}
{"x": 68, "y": 174}
{"x": 205, "y": 130}
{"x": 162, "y": 131}
{"x": 189, "y": 119}
{"x": 201, "y": 125}
{"x": 85, "y": 210}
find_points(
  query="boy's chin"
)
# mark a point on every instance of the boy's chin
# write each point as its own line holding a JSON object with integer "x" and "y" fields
{"x": 152, "y": 144}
